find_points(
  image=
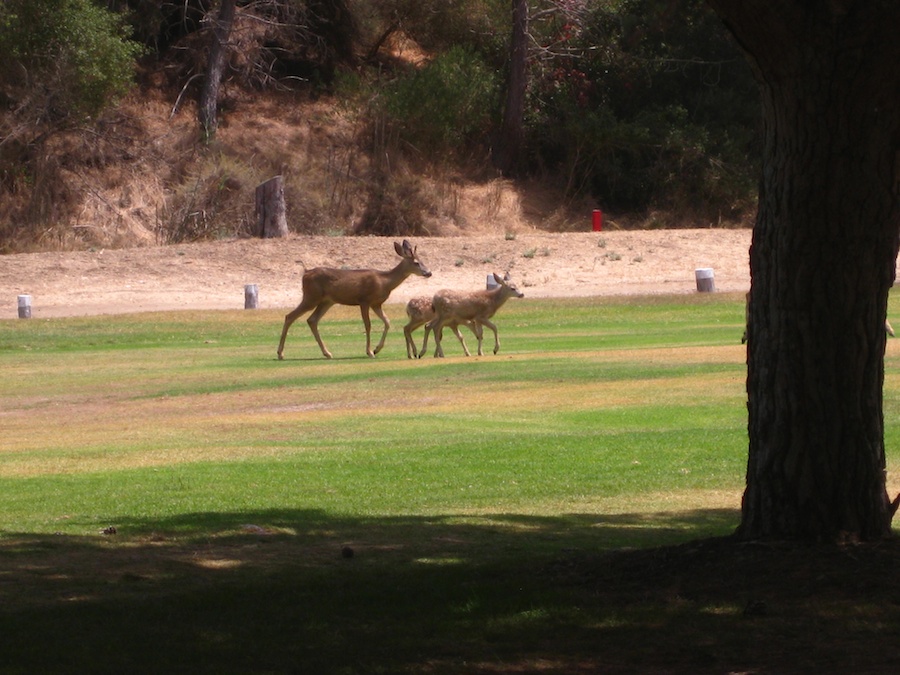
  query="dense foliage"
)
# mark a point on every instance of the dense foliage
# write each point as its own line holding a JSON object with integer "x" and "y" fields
{"x": 642, "y": 106}
{"x": 67, "y": 58}
{"x": 446, "y": 103}
{"x": 648, "y": 108}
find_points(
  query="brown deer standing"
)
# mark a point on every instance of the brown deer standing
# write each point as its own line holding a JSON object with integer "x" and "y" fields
{"x": 420, "y": 311}
{"x": 475, "y": 307}
{"x": 369, "y": 289}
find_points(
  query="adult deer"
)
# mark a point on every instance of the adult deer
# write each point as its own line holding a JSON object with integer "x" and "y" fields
{"x": 476, "y": 307}
{"x": 369, "y": 289}
{"x": 420, "y": 311}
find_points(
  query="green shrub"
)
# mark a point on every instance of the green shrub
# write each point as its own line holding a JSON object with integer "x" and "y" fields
{"x": 76, "y": 52}
{"x": 61, "y": 62}
{"x": 395, "y": 207}
{"x": 447, "y": 104}
{"x": 644, "y": 112}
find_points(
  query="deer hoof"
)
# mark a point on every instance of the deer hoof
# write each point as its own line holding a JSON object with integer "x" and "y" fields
{"x": 280, "y": 357}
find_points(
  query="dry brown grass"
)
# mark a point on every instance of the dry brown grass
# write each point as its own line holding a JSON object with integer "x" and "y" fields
{"x": 139, "y": 177}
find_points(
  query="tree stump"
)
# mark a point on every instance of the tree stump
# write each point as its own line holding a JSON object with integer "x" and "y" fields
{"x": 271, "y": 213}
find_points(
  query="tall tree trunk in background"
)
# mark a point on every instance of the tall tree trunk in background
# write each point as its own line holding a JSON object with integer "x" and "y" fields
{"x": 218, "y": 50}
{"x": 822, "y": 262}
{"x": 512, "y": 133}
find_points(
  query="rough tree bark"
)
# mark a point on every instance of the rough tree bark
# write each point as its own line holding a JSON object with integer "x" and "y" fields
{"x": 209, "y": 95}
{"x": 512, "y": 130}
{"x": 822, "y": 262}
{"x": 271, "y": 213}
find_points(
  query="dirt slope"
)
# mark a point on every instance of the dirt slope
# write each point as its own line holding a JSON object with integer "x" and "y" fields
{"x": 213, "y": 275}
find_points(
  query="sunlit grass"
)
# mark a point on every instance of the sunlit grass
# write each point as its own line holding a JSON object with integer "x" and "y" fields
{"x": 647, "y": 397}
{"x": 194, "y": 406}
{"x": 234, "y": 481}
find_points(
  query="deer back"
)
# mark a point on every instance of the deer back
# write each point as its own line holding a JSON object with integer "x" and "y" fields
{"x": 361, "y": 286}
{"x": 419, "y": 310}
{"x": 466, "y": 306}
{"x": 343, "y": 286}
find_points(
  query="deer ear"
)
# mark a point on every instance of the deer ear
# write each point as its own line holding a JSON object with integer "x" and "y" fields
{"x": 398, "y": 249}
{"x": 500, "y": 280}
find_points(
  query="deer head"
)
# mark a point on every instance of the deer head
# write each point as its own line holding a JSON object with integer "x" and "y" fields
{"x": 509, "y": 288}
{"x": 408, "y": 253}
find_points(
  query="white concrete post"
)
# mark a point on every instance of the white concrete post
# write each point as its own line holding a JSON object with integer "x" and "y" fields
{"x": 251, "y": 296}
{"x": 24, "y": 306}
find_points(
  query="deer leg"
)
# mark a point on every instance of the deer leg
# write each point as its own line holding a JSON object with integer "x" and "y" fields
{"x": 289, "y": 319}
{"x": 455, "y": 328}
{"x": 438, "y": 334}
{"x": 364, "y": 311}
{"x": 496, "y": 337}
{"x": 387, "y": 324}
{"x": 408, "y": 329}
{"x": 475, "y": 327}
{"x": 428, "y": 329}
{"x": 479, "y": 335}
{"x": 313, "y": 322}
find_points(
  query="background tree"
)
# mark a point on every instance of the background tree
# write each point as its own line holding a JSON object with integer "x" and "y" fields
{"x": 646, "y": 109}
{"x": 508, "y": 152}
{"x": 62, "y": 63}
{"x": 822, "y": 262}
{"x": 218, "y": 51}
{"x": 62, "y": 60}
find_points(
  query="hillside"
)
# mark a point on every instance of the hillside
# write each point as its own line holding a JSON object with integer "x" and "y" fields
{"x": 146, "y": 185}
{"x": 144, "y": 180}
{"x": 378, "y": 126}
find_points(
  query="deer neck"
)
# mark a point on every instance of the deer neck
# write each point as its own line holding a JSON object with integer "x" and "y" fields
{"x": 396, "y": 276}
{"x": 497, "y": 297}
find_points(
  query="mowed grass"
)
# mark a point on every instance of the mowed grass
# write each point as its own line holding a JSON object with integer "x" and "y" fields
{"x": 238, "y": 485}
{"x": 107, "y": 413}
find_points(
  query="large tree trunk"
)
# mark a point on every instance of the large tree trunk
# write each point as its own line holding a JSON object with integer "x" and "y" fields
{"x": 508, "y": 149}
{"x": 822, "y": 263}
{"x": 215, "y": 67}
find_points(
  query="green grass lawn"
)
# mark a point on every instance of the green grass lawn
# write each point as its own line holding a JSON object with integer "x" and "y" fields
{"x": 235, "y": 481}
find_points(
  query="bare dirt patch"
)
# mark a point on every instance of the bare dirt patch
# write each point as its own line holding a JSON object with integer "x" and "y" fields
{"x": 213, "y": 275}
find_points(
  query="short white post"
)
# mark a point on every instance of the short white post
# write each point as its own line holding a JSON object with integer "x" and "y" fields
{"x": 24, "y": 306}
{"x": 251, "y": 296}
{"x": 491, "y": 282}
{"x": 706, "y": 280}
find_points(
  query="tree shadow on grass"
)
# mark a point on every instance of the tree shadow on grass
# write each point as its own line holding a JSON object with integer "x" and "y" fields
{"x": 310, "y": 592}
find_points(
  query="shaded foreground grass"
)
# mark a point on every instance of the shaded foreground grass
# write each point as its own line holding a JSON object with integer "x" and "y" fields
{"x": 536, "y": 511}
